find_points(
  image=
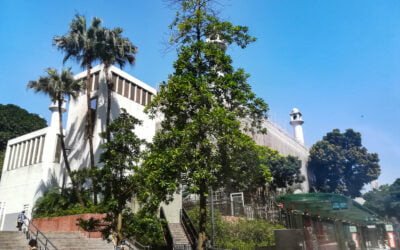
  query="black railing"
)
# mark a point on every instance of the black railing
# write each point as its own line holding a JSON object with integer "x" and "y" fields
{"x": 43, "y": 242}
{"x": 135, "y": 245}
{"x": 187, "y": 224}
{"x": 167, "y": 231}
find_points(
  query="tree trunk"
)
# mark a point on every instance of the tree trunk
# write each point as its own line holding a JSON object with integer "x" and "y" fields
{"x": 203, "y": 217}
{"x": 119, "y": 229}
{"x": 90, "y": 130}
{"x": 64, "y": 152}
{"x": 108, "y": 115}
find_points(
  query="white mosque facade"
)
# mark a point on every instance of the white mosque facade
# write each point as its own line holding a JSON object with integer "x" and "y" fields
{"x": 32, "y": 161}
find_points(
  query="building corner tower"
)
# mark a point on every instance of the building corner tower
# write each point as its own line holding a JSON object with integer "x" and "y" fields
{"x": 296, "y": 121}
{"x": 54, "y": 122}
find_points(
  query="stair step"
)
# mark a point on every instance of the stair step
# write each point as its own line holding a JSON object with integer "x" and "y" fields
{"x": 177, "y": 233}
{"x": 62, "y": 240}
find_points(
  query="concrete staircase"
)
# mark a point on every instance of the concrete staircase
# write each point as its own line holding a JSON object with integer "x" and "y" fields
{"x": 13, "y": 240}
{"x": 75, "y": 241}
{"x": 63, "y": 241}
{"x": 178, "y": 234}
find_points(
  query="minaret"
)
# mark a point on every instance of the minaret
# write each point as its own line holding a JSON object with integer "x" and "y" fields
{"x": 54, "y": 114}
{"x": 296, "y": 121}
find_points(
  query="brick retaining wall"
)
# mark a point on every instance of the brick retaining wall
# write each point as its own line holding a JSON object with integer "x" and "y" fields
{"x": 67, "y": 224}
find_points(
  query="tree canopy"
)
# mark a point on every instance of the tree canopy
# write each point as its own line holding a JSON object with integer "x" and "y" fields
{"x": 206, "y": 105}
{"x": 116, "y": 178}
{"x": 15, "y": 121}
{"x": 340, "y": 164}
{"x": 385, "y": 200}
{"x": 285, "y": 170}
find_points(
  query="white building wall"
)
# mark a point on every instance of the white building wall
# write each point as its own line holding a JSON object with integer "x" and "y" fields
{"x": 28, "y": 169}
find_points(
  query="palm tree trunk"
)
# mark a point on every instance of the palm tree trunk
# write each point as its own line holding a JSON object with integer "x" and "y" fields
{"x": 108, "y": 115}
{"x": 90, "y": 131}
{"x": 203, "y": 217}
{"x": 64, "y": 152}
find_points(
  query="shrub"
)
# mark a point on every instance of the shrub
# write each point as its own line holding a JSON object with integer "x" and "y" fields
{"x": 242, "y": 233}
{"x": 58, "y": 203}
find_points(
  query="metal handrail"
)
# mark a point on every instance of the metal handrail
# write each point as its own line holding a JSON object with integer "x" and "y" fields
{"x": 45, "y": 243}
{"x": 133, "y": 244}
{"x": 188, "y": 226}
{"x": 167, "y": 232}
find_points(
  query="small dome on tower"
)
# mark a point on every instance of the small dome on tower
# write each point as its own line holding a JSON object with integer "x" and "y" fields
{"x": 295, "y": 110}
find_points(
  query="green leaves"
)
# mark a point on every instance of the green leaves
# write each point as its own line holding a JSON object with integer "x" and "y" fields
{"x": 15, "y": 121}
{"x": 59, "y": 87}
{"x": 340, "y": 164}
{"x": 385, "y": 200}
{"x": 206, "y": 105}
{"x": 117, "y": 177}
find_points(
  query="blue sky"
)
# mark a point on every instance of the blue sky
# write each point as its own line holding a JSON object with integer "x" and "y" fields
{"x": 337, "y": 61}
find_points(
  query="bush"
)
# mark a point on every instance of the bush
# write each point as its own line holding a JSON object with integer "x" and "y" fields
{"x": 146, "y": 229}
{"x": 243, "y": 233}
{"x": 59, "y": 203}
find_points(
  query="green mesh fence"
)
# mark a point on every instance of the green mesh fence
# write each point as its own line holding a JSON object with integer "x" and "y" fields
{"x": 329, "y": 206}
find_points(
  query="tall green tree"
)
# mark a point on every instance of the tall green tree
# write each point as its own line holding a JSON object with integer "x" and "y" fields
{"x": 340, "y": 164}
{"x": 385, "y": 200}
{"x": 15, "y": 121}
{"x": 84, "y": 43}
{"x": 115, "y": 50}
{"x": 60, "y": 88}
{"x": 285, "y": 170}
{"x": 120, "y": 161}
{"x": 206, "y": 105}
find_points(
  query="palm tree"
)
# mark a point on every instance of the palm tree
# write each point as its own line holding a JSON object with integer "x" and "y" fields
{"x": 60, "y": 87}
{"x": 115, "y": 50}
{"x": 83, "y": 43}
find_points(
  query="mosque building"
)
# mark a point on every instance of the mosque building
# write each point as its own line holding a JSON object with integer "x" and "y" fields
{"x": 33, "y": 161}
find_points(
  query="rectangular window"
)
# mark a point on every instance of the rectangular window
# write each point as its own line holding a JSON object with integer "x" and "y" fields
{"x": 149, "y": 96}
{"x": 28, "y": 152}
{"x": 126, "y": 88}
{"x": 120, "y": 85}
{"x": 11, "y": 157}
{"x": 35, "y": 150}
{"x": 93, "y": 108}
{"x": 114, "y": 81}
{"x": 29, "y": 158}
{"x": 42, "y": 138}
{"x": 144, "y": 94}
{"x": 17, "y": 153}
{"x": 138, "y": 94}
{"x": 133, "y": 87}
{"x": 24, "y": 149}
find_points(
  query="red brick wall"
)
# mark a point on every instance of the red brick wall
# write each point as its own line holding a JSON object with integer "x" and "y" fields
{"x": 67, "y": 224}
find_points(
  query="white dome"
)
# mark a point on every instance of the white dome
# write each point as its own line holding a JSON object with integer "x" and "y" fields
{"x": 295, "y": 110}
